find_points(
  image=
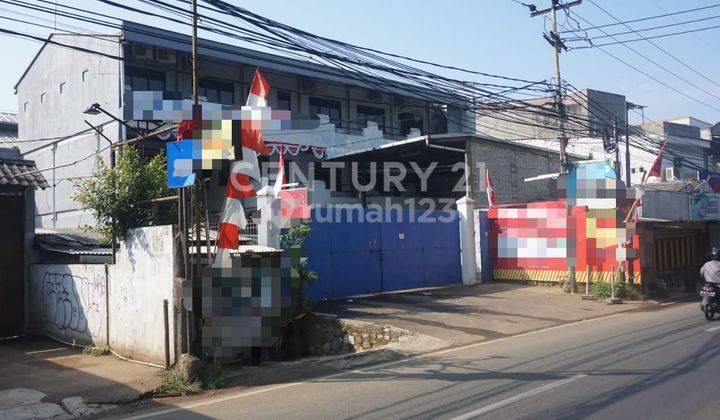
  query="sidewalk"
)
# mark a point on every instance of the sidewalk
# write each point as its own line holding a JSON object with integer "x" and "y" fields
{"x": 42, "y": 378}
{"x": 465, "y": 314}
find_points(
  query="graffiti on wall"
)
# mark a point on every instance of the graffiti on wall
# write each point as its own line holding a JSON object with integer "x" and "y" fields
{"x": 74, "y": 303}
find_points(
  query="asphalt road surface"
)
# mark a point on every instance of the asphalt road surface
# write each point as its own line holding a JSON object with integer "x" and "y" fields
{"x": 660, "y": 364}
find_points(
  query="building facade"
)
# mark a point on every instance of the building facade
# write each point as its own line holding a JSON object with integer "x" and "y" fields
{"x": 338, "y": 112}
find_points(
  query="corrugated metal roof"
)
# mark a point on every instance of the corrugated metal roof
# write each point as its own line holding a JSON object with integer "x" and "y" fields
{"x": 8, "y": 118}
{"x": 69, "y": 243}
{"x": 19, "y": 172}
{"x": 8, "y": 141}
{"x": 255, "y": 249}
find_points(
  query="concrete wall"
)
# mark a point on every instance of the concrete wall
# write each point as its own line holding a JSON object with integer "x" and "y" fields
{"x": 139, "y": 282}
{"x": 72, "y": 302}
{"x": 509, "y": 165}
{"x": 68, "y": 302}
{"x": 52, "y": 130}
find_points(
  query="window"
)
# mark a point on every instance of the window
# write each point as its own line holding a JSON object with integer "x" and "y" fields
{"x": 43, "y": 96}
{"x": 409, "y": 121}
{"x": 326, "y": 107}
{"x": 216, "y": 91}
{"x": 84, "y": 75}
{"x": 142, "y": 79}
{"x": 573, "y": 109}
{"x": 283, "y": 101}
{"x": 26, "y": 105}
{"x": 62, "y": 87}
{"x": 369, "y": 113}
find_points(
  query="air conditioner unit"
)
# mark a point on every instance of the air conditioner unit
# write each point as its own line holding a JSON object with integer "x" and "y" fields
{"x": 142, "y": 52}
{"x": 166, "y": 56}
{"x": 670, "y": 174}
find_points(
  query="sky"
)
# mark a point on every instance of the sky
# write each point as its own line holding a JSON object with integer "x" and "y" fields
{"x": 493, "y": 36}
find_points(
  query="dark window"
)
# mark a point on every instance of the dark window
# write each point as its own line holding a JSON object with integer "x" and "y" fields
{"x": 369, "y": 113}
{"x": 283, "y": 101}
{"x": 326, "y": 107}
{"x": 143, "y": 79}
{"x": 216, "y": 91}
{"x": 409, "y": 121}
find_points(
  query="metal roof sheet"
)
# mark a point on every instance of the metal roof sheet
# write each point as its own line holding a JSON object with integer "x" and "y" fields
{"x": 8, "y": 118}
{"x": 8, "y": 141}
{"x": 69, "y": 243}
{"x": 255, "y": 249}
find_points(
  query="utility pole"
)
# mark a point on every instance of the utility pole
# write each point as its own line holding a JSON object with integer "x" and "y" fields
{"x": 197, "y": 116}
{"x": 628, "y": 181}
{"x": 558, "y": 45}
{"x": 616, "y": 136}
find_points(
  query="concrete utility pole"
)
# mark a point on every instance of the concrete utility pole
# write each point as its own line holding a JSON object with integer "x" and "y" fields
{"x": 556, "y": 42}
{"x": 616, "y": 135}
{"x": 628, "y": 107}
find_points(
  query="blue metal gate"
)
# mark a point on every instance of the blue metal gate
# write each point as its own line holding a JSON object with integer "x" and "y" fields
{"x": 356, "y": 251}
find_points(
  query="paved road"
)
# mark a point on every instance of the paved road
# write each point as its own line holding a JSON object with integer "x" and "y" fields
{"x": 661, "y": 364}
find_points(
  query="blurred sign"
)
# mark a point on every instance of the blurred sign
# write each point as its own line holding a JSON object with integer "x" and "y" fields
{"x": 704, "y": 206}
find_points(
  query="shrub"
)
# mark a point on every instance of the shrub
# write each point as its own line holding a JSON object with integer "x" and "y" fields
{"x": 96, "y": 351}
{"x": 603, "y": 290}
{"x": 566, "y": 286}
{"x": 174, "y": 382}
{"x": 214, "y": 377}
{"x": 123, "y": 193}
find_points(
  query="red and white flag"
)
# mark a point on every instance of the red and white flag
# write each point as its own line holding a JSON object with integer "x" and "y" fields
{"x": 258, "y": 91}
{"x": 243, "y": 179}
{"x": 489, "y": 189}
{"x": 656, "y": 168}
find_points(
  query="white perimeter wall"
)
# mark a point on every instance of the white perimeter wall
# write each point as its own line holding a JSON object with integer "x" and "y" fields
{"x": 72, "y": 302}
{"x": 68, "y": 302}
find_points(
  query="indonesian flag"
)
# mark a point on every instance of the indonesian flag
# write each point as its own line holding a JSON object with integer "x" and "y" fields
{"x": 489, "y": 189}
{"x": 243, "y": 179}
{"x": 258, "y": 91}
{"x": 656, "y": 168}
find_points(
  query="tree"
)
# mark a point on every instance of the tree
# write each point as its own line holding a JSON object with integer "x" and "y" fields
{"x": 123, "y": 193}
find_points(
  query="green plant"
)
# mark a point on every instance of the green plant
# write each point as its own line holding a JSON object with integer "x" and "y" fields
{"x": 603, "y": 290}
{"x": 96, "y": 351}
{"x": 566, "y": 286}
{"x": 295, "y": 236}
{"x": 174, "y": 382}
{"x": 214, "y": 377}
{"x": 123, "y": 193}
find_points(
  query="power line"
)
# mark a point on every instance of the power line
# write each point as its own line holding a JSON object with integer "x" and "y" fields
{"x": 689, "y": 31}
{"x": 652, "y": 77}
{"x": 593, "y": 27}
{"x": 653, "y": 28}
{"x": 657, "y": 46}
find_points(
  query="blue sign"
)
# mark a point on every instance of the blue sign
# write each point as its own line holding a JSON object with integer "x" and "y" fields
{"x": 180, "y": 164}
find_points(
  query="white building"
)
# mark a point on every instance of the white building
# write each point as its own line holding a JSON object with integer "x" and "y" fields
{"x": 61, "y": 83}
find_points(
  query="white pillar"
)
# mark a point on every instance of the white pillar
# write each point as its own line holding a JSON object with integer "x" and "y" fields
{"x": 269, "y": 226}
{"x": 466, "y": 210}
